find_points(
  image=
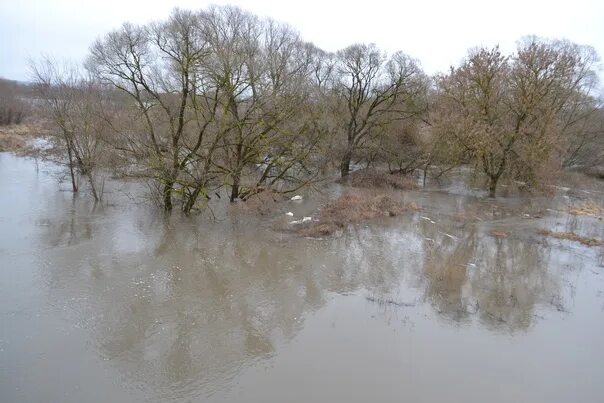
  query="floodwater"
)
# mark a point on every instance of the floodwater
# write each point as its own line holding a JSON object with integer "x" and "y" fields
{"x": 116, "y": 303}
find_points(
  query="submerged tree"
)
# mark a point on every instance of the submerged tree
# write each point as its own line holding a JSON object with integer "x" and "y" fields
{"x": 156, "y": 67}
{"x": 260, "y": 70}
{"x": 508, "y": 113}
{"x": 372, "y": 92}
{"x": 76, "y": 104}
{"x": 217, "y": 98}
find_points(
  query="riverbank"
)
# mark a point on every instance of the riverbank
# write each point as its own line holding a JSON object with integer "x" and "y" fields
{"x": 19, "y": 138}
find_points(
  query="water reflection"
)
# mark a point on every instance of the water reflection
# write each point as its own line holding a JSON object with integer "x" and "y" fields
{"x": 197, "y": 303}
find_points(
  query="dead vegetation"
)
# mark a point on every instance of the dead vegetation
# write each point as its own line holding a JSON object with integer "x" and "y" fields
{"x": 14, "y": 137}
{"x": 353, "y": 208}
{"x": 17, "y": 138}
{"x": 589, "y": 208}
{"x": 368, "y": 178}
{"x": 261, "y": 203}
{"x": 571, "y": 236}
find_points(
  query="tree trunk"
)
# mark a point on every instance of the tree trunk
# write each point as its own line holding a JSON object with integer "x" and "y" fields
{"x": 425, "y": 173}
{"x": 493, "y": 186}
{"x": 95, "y": 193}
{"x": 191, "y": 200}
{"x": 345, "y": 164}
{"x": 238, "y": 167}
{"x": 235, "y": 187}
{"x": 74, "y": 186}
{"x": 168, "y": 196}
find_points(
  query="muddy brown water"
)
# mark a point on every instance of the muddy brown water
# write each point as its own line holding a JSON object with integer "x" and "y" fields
{"x": 117, "y": 303}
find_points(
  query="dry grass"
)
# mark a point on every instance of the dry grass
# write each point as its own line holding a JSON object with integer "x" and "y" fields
{"x": 571, "y": 236}
{"x": 351, "y": 208}
{"x": 366, "y": 178}
{"x": 11, "y": 143}
{"x": 589, "y": 208}
{"x": 15, "y": 137}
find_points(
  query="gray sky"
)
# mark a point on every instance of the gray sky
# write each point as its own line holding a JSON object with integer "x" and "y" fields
{"x": 438, "y": 33}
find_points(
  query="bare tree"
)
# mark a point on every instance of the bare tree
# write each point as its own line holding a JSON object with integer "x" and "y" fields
{"x": 74, "y": 102}
{"x": 259, "y": 69}
{"x": 216, "y": 99}
{"x": 373, "y": 92}
{"x": 156, "y": 66}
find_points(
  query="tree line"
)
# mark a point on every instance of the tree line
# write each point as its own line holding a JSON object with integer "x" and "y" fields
{"x": 13, "y": 108}
{"x": 220, "y": 101}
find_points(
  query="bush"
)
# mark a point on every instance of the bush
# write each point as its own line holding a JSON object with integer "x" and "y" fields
{"x": 353, "y": 208}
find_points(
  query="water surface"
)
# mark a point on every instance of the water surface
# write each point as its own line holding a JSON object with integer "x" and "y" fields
{"x": 119, "y": 303}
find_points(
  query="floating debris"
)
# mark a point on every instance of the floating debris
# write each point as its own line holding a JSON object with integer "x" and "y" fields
{"x": 302, "y": 221}
{"x": 382, "y": 301}
{"x": 448, "y": 235}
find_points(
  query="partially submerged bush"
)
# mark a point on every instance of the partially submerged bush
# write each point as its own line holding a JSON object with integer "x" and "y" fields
{"x": 367, "y": 178}
{"x": 351, "y": 208}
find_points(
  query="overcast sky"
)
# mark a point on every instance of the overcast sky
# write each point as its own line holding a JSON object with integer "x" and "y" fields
{"x": 438, "y": 33}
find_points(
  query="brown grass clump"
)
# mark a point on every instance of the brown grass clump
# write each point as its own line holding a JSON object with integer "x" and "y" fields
{"x": 571, "y": 236}
{"x": 366, "y": 178}
{"x": 350, "y": 208}
{"x": 589, "y": 208}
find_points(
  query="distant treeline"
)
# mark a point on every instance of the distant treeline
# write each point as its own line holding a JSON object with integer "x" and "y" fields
{"x": 14, "y": 105}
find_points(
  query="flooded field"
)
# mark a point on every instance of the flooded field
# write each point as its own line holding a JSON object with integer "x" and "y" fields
{"x": 462, "y": 301}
